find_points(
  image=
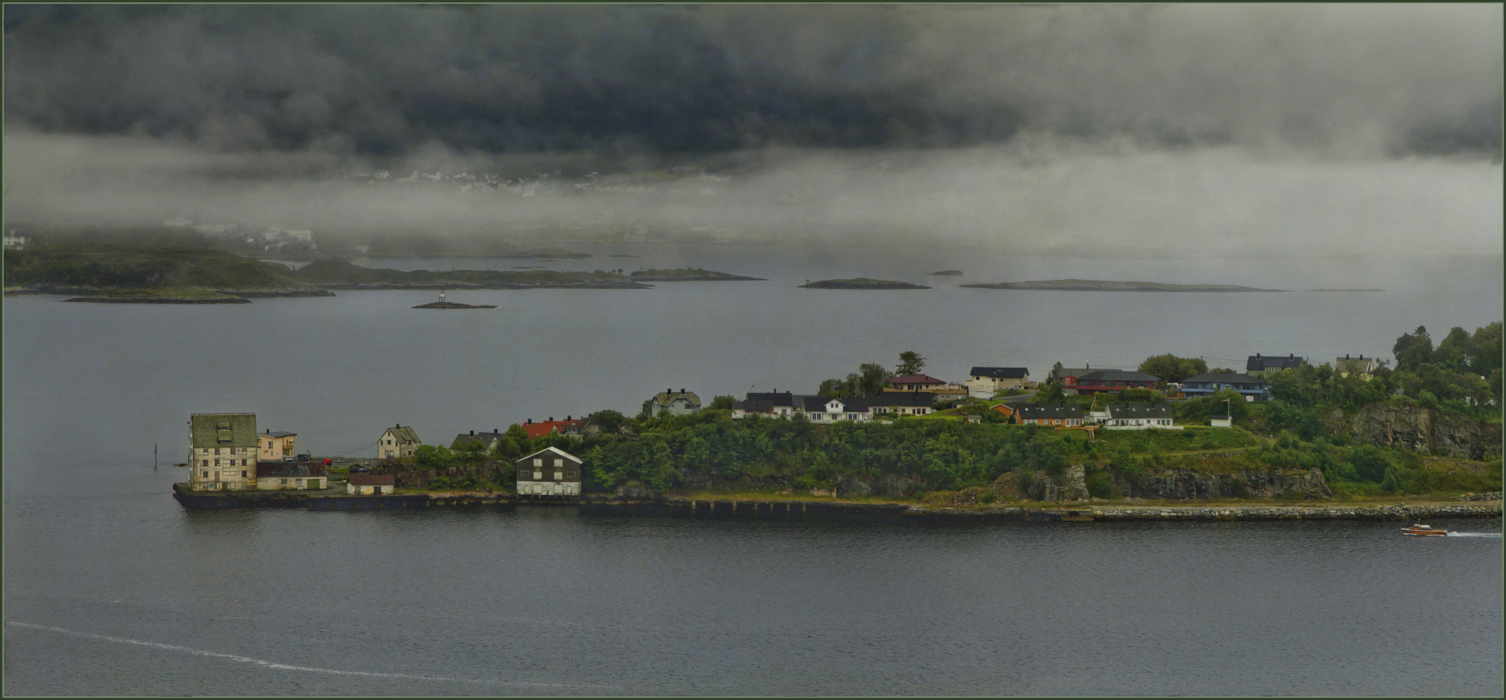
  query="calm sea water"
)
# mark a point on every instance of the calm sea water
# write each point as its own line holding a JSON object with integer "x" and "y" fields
{"x": 111, "y": 588}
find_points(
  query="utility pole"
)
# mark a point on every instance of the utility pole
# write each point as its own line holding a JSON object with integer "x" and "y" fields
{"x": 154, "y": 454}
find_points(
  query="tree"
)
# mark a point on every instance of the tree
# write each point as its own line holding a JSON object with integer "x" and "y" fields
{"x": 1171, "y": 368}
{"x": 1056, "y": 374}
{"x": 1051, "y": 394}
{"x": 1485, "y": 349}
{"x": 872, "y": 376}
{"x": 1412, "y": 350}
{"x": 910, "y": 362}
{"x": 723, "y": 403}
{"x": 610, "y": 421}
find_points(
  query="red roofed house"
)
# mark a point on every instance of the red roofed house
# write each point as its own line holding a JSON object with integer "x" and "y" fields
{"x": 565, "y": 427}
{"x": 371, "y": 484}
{"x": 913, "y": 382}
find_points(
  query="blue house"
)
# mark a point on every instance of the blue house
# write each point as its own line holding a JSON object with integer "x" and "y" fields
{"x": 1205, "y": 384}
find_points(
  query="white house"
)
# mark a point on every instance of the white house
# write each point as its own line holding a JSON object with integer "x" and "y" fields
{"x": 678, "y": 403}
{"x": 549, "y": 472}
{"x": 828, "y": 411}
{"x": 1139, "y": 416}
{"x": 984, "y": 382}
{"x": 14, "y": 241}
{"x": 397, "y": 442}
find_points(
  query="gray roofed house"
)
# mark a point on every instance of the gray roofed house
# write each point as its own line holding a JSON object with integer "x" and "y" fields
{"x": 487, "y": 440}
{"x": 1139, "y": 415}
{"x": 1205, "y": 384}
{"x": 1267, "y": 363}
{"x": 678, "y": 403}
{"x": 397, "y": 442}
{"x": 744, "y": 408}
{"x": 1000, "y": 372}
{"x": 1347, "y": 365}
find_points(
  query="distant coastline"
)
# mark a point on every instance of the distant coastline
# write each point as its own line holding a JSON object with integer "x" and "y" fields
{"x": 861, "y": 283}
{"x": 1079, "y": 285}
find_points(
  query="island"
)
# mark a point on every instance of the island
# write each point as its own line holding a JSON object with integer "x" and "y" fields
{"x": 689, "y": 274}
{"x": 1346, "y": 290}
{"x": 948, "y": 273}
{"x": 453, "y": 305}
{"x": 1078, "y": 285}
{"x": 336, "y": 274}
{"x": 861, "y": 283}
{"x": 162, "y": 296}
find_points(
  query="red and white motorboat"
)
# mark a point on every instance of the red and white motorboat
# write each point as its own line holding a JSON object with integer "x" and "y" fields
{"x": 1422, "y": 531}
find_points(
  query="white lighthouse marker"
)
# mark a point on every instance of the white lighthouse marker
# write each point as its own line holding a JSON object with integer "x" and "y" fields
{"x": 441, "y": 296}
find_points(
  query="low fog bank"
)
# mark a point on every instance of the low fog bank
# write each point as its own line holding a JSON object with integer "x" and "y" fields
{"x": 1035, "y": 195}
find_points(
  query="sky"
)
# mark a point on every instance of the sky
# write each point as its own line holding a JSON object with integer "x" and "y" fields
{"x": 1201, "y": 129}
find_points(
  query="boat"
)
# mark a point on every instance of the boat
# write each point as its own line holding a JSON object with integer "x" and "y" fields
{"x": 1422, "y": 531}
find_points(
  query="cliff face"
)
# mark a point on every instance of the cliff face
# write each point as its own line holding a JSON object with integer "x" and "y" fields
{"x": 1184, "y": 484}
{"x": 1424, "y": 430}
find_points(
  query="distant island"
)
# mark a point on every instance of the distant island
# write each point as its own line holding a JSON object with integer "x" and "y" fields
{"x": 689, "y": 275}
{"x": 529, "y": 254}
{"x": 948, "y": 273}
{"x": 861, "y": 283}
{"x": 453, "y": 305}
{"x": 1346, "y": 290}
{"x": 162, "y": 296}
{"x": 335, "y": 274}
{"x": 1076, "y": 285}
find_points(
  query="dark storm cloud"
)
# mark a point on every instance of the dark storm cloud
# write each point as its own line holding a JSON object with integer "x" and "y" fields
{"x": 379, "y": 81}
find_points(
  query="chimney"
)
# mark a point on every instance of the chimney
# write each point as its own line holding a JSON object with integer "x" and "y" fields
{"x": 567, "y": 418}
{"x": 269, "y": 431}
{"x": 551, "y": 419}
{"x": 682, "y": 390}
{"x": 530, "y": 421}
{"x": 473, "y": 432}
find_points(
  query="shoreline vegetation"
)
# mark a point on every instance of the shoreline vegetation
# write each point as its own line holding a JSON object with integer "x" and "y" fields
{"x": 861, "y": 283}
{"x": 1079, "y": 285}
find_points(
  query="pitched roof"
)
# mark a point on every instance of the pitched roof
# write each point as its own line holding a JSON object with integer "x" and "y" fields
{"x": 1079, "y": 371}
{"x": 1117, "y": 375}
{"x": 552, "y": 450}
{"x": 545, "y": 427}
{"x": 754, "y": 406}
{"x": 270, "y": 470}
{"x": 914, "y": 379}
{"x": 403, "y": 434}
{"x": 486, "y": 440}
{"x": 1263, "y": 362}
{"x": 1050, "y": 410}
{"x": 664, "y": 398}
{"x": 774, "y": 398}
{"x": 903, "y": 399}
{"x": 372, "y": 480}
{"x": 223, "y": 429}
{"x": 1354, "y": 364}
{"x": 1139, "y": 410}
{"x": 1223, "y": 378}
{"x": 1000, "y": 372}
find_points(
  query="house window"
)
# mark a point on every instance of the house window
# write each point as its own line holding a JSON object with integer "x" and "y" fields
{"x": 559, "y": 476}
{"x": 243, "y": 475}
{"x": 571, "y": 474}
{"x": 558, "y": 462}
{"x": 538, "y": 462}
{"x": 204, "y": 463}
{"x": 284, "y": 482}
{"x": 537, "y": 475}
{"x": 216, "y": 463}
{"x": 206, "y": 475}
{"x": 522, "y": 473}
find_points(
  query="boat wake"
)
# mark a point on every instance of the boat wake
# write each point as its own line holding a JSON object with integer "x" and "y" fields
{"x": 1474, "y": 534}
{"x": 290, "y": 667}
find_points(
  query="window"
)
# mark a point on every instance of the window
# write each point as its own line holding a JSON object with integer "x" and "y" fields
{"x": 204, "y": 463}
{"x": 558, "y": 462}
{"x": 206, "y": 475}
{"x": 284, "y": 482}
{"x": 243, "y": 475}
{"x": 571, "y": 474}
{"x": 538, "y": 462}
{"x": 559, "y": 476}
{"x": 522, "y": 473}
{"x": 216, "y": 463}
{"x": 538, "y": 475}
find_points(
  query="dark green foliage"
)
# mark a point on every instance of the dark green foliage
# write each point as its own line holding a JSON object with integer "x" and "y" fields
{"x": 1171, "y": 368}
{"x": 1461, "y": 376}
{"x": 1413, "y": 349}
{"x": 722, "y": 403}
{"x": 1140, "y": 396}
{"x": 114, "y": 266}
{"x": 910, "y": 362}
{"x": 869, "y": 379}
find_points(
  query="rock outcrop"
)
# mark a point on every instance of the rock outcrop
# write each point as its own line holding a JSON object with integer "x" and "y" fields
{"x": 1185, "y": 484}
{"x": 1425, "y": 430}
